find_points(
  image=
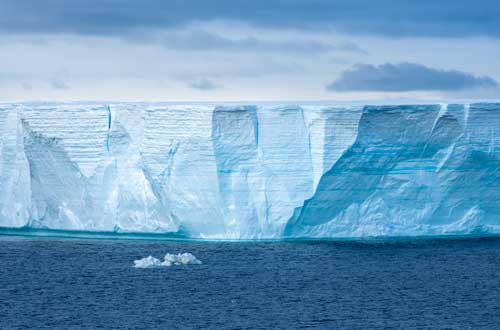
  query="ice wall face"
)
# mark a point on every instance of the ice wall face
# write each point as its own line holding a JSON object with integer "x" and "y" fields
{"x": 251, "y": 171}
{"x": 419, "y": 170}
{"x": 14, "y": 170}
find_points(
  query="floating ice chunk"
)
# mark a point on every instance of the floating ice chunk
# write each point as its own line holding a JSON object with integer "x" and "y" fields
{"x": 169, "y": 260}
{"x": 180, "y": 259}
{"x": 148, "y": 262}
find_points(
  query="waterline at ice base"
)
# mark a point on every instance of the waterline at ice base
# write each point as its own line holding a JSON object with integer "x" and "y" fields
{"x": 251, "y": 172}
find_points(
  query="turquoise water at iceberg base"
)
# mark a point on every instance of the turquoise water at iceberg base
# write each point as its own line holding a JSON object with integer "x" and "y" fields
{"x": 55, "y": 283}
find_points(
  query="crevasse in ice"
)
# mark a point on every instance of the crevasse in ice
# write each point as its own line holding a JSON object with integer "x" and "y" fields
{"x": 237, "y": 172}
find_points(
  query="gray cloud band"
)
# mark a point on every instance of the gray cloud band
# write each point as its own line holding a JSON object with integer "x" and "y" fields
{"x": 384, "y": 17}
{"x": 405, "y": 77}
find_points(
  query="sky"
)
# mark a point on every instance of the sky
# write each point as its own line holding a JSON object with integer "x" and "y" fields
{"x": 242, "y": 50}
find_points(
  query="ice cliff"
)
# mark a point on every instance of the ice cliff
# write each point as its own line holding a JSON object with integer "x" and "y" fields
{"x": 251, "y": 171}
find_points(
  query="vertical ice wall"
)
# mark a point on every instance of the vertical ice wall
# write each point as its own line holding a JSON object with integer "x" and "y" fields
{"x": 65, "y": 147}
{"x": 235, "y": 138}
{"x": 15, "y": 197}
{"x": 251, "y": 171}
{"x": 416, "y": 170}
{"x": 223, "y": 172}
{"x": 178, "y": 159}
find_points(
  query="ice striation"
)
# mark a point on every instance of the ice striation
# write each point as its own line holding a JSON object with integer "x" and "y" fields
{"x": 251, "y": 171}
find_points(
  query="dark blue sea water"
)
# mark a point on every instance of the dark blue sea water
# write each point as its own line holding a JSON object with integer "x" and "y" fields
{"x": 91, "y": 284}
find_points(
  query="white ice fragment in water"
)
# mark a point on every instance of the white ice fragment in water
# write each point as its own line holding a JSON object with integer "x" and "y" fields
{"x": 169, "y": 260}
{"x": 180, "y": 259}
{"x": 148, "y": 262}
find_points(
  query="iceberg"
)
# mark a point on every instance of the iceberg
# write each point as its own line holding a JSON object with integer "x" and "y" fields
{"x": 251, "y": 171}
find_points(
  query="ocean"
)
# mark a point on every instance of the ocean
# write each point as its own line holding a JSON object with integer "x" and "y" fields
{"x": 55, "y": 283}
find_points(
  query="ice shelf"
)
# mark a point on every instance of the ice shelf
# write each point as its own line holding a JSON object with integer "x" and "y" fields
{"x": 252, "y": 171}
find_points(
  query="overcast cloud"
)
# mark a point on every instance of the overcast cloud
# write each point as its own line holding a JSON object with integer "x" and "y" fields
{"x": 232, "y": 50}
{"x": 455, "y": 18}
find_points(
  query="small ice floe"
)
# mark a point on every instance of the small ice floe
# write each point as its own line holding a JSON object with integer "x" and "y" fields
{"x": 168, "y": 260}
{"x": 180, "y": 259}
{"x": 148, "y": 262}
